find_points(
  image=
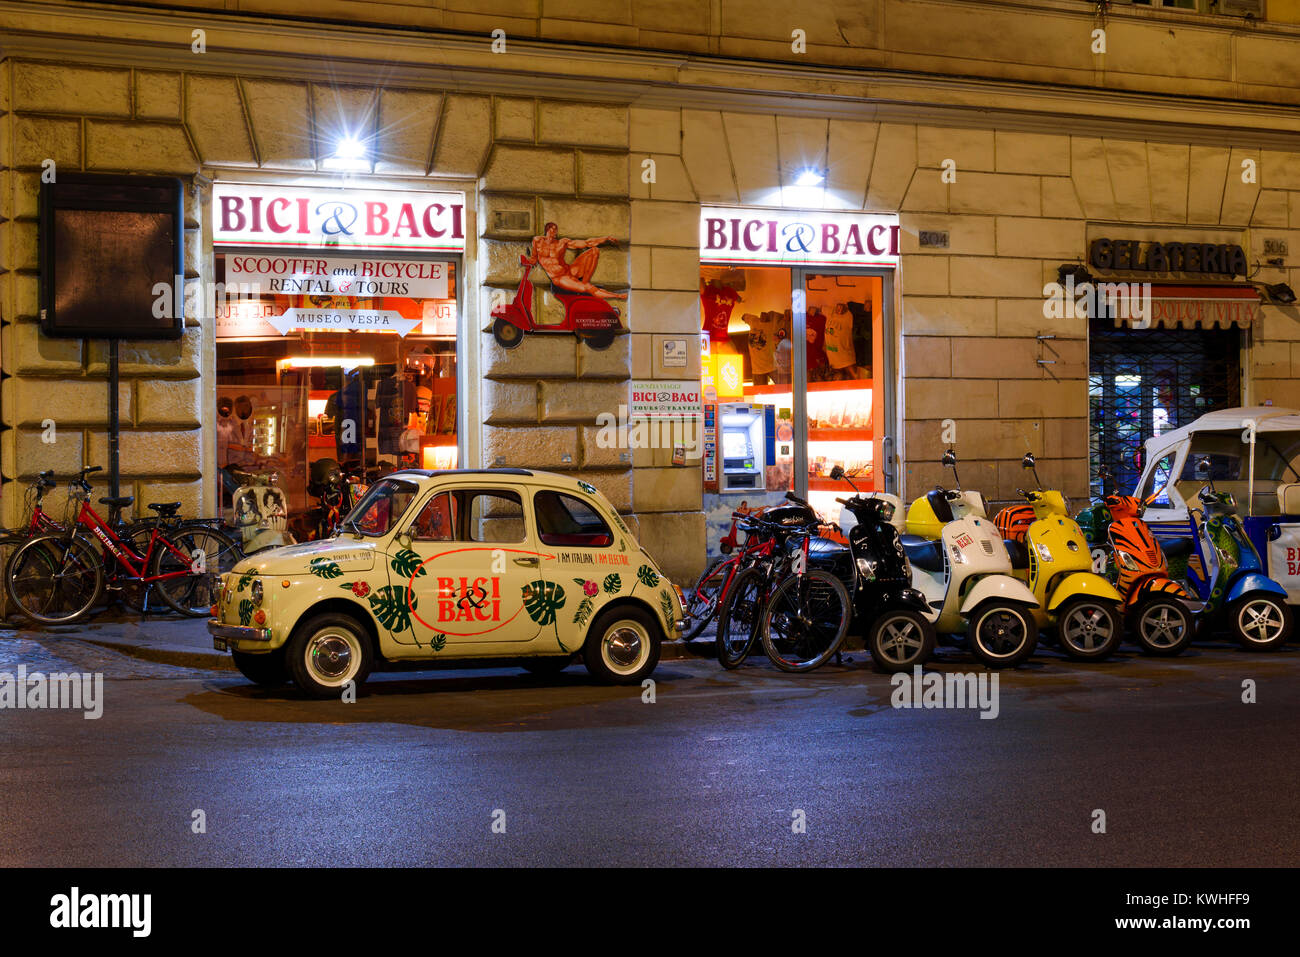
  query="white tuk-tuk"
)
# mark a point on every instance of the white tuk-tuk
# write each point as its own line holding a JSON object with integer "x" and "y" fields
{"x": 1254, "y": 453}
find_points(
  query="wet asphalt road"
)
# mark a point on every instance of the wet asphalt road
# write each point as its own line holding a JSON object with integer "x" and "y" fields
{"x": 710, "y": 773}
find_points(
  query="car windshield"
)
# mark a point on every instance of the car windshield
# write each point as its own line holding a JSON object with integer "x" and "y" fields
{"x": 382, "y": 507}
{"x": 1275, "y": 456}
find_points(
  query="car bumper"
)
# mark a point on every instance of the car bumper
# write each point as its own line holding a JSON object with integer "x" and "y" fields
{"x": 220, "y": 630}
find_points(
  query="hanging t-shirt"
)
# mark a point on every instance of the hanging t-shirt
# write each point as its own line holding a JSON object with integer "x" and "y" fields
{"x": 390, "y": 400}
{"x": 862, "y": 332}
{"x": 762, "y": 342}
{"x": 345, "y": 406}
{"x": 816, "y": 341}
{"x": 839, "y": 339}
{"x": 718, "y": 301}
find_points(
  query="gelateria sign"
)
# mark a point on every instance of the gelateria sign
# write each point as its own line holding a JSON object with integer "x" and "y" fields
{"x": 750, "y": 236}
{"x": 296, "y": 217}
{"x": 1123, "y": 255}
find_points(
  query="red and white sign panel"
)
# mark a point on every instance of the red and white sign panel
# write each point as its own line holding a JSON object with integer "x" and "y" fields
{"x": 750, "y": 236}
{"x": 245, "y": 214}
{"x": 358, "y": 276}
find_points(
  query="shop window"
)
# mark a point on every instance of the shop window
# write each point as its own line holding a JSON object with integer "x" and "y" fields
{"x": 1145, "y": 382}
{"x": 367, "y": 380}
{"x": 567, "y": 520}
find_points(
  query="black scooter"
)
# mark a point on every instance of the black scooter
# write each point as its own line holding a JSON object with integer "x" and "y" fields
{"x": 886, "y": 608}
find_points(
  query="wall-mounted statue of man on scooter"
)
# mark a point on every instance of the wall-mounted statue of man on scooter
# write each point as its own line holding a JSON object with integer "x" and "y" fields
{"x": 549, "y": 251}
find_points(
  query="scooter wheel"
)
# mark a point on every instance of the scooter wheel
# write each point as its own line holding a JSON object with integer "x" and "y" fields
{"x": 1087, "y": 629}
{"x": 898, "y": 640}
{"x": 1002, "y": 636}
{"x": 1260, "y": 621}
{"x": 1163, "y": 628}
{"x": 599, "y": 340}
{"x": 507, "y": 334}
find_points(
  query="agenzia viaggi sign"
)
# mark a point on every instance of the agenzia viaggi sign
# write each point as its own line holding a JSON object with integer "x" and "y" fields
{"x": 250, "y": 214}
{"x": 750, "y": 236}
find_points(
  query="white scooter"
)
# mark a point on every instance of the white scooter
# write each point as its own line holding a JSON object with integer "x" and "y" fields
{"x": 261, "y": 512}
{"x": 961, "y": 565}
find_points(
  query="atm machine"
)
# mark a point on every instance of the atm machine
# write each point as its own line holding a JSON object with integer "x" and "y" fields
{"x": 743, "y": 432}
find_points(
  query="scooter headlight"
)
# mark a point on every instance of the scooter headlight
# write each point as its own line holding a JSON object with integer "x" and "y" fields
{"x": 1126, "y": 560}
{"x": 1044, "y": 552}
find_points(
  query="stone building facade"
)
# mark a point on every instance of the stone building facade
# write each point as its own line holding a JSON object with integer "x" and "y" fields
{"x": 991, "y": 123}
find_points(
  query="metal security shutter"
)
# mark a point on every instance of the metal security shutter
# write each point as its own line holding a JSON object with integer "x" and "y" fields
{"x": 1139, "y": 379}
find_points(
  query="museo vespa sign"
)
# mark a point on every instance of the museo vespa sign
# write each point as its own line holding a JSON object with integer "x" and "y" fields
{"x": 246, "y": 214}
{"x": 749, "y": 236}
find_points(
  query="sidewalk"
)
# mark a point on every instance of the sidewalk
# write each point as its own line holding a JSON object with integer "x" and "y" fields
{"x": 185, "y": 642}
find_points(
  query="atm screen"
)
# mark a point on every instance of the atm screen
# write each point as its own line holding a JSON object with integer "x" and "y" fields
{"x": 736, "y": 451}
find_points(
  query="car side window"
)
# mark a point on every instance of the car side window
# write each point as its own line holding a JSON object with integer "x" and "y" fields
{"x": 472, "y": 515}
{"x": 437, "y": 520}
{"x": 493, "y": 516}
{"x": 568, "y": 520}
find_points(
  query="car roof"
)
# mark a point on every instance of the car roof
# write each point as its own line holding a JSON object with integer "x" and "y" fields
{"x": 1267, "y": 418}
{"x": 557, "y": 478}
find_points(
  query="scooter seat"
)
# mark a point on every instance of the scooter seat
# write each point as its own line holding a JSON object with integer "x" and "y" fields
{"x": 1018, "y": 552}
{"x": 1176, "y": 547}
{"x": 924, "y": 553}
{"x": 825, "y": 548}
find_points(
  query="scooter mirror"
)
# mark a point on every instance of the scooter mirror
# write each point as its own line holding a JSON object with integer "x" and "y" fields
{"x": 837, "y": 473}
{"x": 1203, "y": 466}
{"x": 949, "y": 458}
{"x": 1028, "y": 461}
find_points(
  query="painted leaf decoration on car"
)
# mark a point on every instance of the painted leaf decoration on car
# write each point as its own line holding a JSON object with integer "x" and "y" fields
{"x": 543, "y": 600}
{"x": 390, "y": 605}
{"x": 666, "y": 604}
{"x": 438, "y": 642}
{"x": 584, "y": 612}
{"x": 647, "y": 576}
{"x": 612, "y": 583}
{"x": 407, "y": 562}
{"x": 324, "y": 568}
{"x": 587, "y": 487}
{"x": 244, "y": 580}
{"x": 246, "y": 611}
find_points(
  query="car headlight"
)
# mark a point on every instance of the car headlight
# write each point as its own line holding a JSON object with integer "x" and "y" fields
{"x": 1044, "y": 552}
{"x": 1126, "y": 560}
{"x": 257, "y": 591}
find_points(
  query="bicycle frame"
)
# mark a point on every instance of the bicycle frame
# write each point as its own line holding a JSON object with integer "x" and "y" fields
{"x": 124, "y": 554}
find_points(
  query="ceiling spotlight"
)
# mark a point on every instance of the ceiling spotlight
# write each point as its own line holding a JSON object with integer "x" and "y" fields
{"x": 350, "y": 153}
{"x": 1280, "y": 293}
{"x": 809, "y": 177}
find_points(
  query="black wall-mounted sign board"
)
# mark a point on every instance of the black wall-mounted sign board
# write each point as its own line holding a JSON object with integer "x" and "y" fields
{"x": 106, "y": 244}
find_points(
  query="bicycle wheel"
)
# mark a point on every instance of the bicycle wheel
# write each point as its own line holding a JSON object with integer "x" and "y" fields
{"x": 207, "y": 556}
{"x": 54, "y": 579}
{"x": 707, "y": 595}
{"x": 805, "y": 620}
{"x": 133, "y": 593}
{"x": 739, "y": 616}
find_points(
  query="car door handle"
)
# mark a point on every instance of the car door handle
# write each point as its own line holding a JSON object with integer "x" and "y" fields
{"x": 532, "y": 562}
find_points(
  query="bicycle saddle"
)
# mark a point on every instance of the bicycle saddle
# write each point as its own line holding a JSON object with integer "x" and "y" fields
{"x": 165, "y": 509}
{"x": 121, "y": 501}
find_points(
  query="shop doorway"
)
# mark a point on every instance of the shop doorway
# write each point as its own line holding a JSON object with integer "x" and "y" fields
{"x": 1144, "y": 382}
{"x": 799, "y": 365}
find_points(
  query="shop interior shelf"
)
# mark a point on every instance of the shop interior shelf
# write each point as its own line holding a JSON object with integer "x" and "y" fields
{"x": 840, "y": 435}
{"x": 837, "y": 385}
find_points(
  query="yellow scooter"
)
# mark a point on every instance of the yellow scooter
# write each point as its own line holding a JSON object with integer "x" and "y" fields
{"x": 1053, "y": 556}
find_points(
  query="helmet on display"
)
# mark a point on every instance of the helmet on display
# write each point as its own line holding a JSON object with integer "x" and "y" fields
{"x": 325, "y": 475}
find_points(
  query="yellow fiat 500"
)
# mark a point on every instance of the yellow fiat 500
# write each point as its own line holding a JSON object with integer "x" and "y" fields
{"x": 492, "y": 564}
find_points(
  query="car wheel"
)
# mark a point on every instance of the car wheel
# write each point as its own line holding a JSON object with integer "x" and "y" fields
{"x": 326, "y": 652}
{"x": 267, "y": 669}
{"x": 1163, "y": 628}
{"x": 622, "y": 646}
{"x": 1002, "y": 635}
{"x": 1260, "y": 621}
{"x": 1087, "y": 629}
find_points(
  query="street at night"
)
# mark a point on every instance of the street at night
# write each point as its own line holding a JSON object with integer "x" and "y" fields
{"x": 710, "y": 774}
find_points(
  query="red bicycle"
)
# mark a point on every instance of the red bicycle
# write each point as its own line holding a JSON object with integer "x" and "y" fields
{"x": 56, "y": 578}
{"x": 711, "y": 588}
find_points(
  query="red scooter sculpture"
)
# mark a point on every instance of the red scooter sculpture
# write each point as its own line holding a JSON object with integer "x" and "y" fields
{"x": 587, "y": 313}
